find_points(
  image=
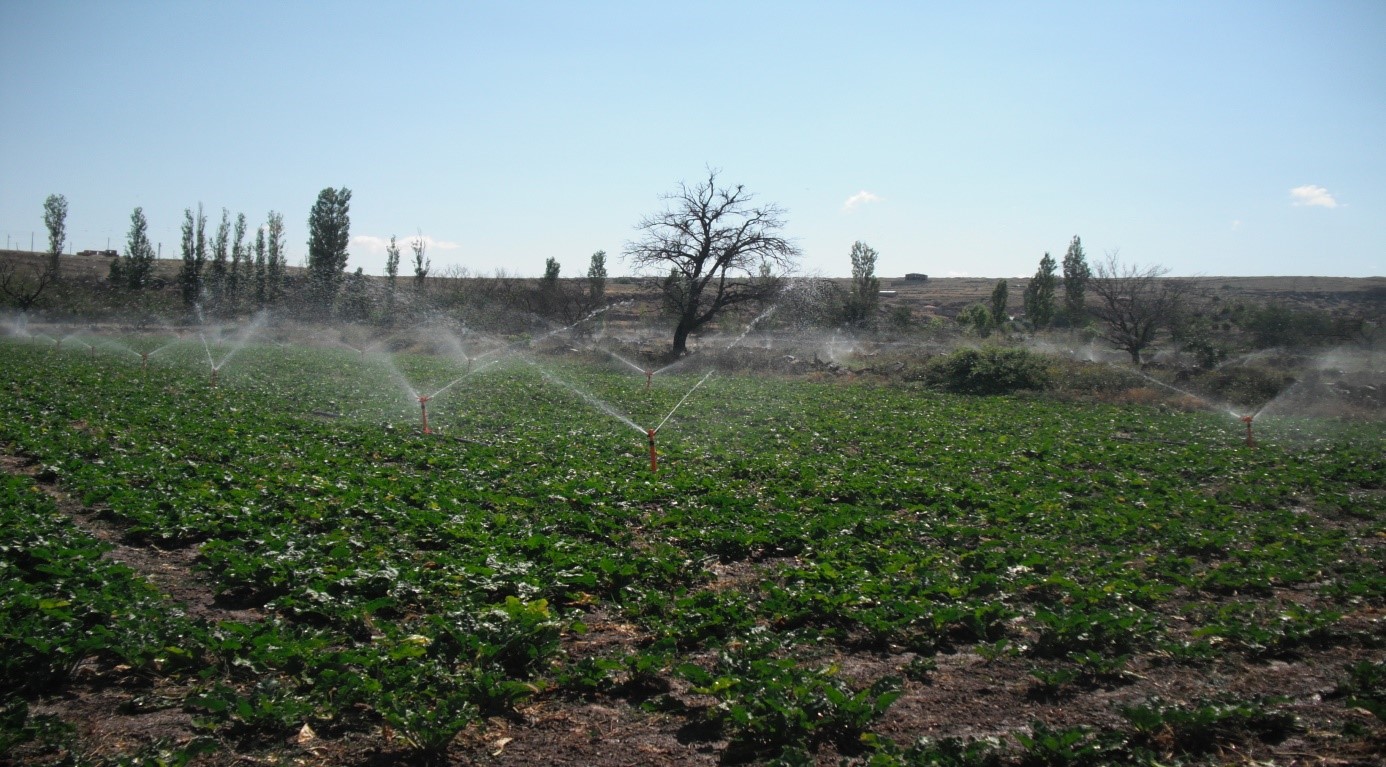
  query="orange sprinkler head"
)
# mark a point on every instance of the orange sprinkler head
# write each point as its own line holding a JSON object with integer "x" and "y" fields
{"x": 654, "y": 455}
{"x": 1250, "y": 440}
{"x": 423, "y": 408}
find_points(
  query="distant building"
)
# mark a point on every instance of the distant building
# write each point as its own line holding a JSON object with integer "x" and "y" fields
{"x": 916, "y": 276}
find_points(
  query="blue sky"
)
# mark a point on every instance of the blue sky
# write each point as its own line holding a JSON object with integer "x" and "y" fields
{"x": 1215, "y": 138}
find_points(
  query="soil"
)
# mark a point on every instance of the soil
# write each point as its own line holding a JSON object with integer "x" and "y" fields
{"x": 965, "y": 694}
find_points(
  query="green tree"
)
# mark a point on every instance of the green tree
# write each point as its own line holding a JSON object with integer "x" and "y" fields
{"x": 421, "y": 261}
{"x": 139, "y": 253}
{"x": 977, "y": 318}
{"x": 392, "y": 277}
{"x": 1076, "y": 276}
{"x": 239, "y": 259}
{"x": 596, "y": 277}
{"x": 1000, "y": 295}
{"x": 261, "y": 269}
{"x": 355, "y": 301}
{"x": 865, "y": 296}
{"x": 329, "y": 232}
{"x": 712, "y": 242}
{"x": 217, "y": 272}
{"x": 115, "y": 275}
{"x": 55, "y": 220}
{"x": 275, "y": 266}
{"x": 194, "y": 251}
{"x": 1039, "y": 294}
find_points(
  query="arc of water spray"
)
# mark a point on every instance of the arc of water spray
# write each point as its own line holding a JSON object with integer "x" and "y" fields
{"x": 685, "y": 399}
{"x": 590, "y": 399}
{"x": 462, "y": 378}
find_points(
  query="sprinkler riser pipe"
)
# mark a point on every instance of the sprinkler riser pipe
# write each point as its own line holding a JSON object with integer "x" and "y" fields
{"x": 1250, "y": 440}
{"x": 654, "y": 454}
{"x": 649, "y": 378}
{"x": 423, "y": 408}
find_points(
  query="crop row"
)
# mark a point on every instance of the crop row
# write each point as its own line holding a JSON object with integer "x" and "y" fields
{"x": 424, "y": 582}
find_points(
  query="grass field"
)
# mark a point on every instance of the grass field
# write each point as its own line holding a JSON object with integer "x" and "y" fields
{"x": 284, "y": 569}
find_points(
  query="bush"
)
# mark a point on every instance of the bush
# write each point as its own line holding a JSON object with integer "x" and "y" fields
{"x": 1094, "y": 379}
{"x": 1247, "y": 385}
{"x": 989, "y": 370}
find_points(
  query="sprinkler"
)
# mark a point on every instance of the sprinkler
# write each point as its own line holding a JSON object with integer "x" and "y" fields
{"x": 649, "y": 377}
{"x": 215, "y": 371}
{"x": 1250, "y": 440}
{"x": 423, "y": 408}
{"x": 144, "y": 362}
{"x": 654, "y": 456}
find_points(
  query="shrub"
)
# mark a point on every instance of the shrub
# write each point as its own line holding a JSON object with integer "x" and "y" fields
{"x": 1247, "y": 385}
{"x": 989, "y": 370}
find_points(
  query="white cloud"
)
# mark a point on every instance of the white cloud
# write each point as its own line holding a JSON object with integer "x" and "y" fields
{"x": 1237, "y": 224}
{"x": 1312, "y": 196}
{"x": 860, "y": 198}
{"x": 374, "y": 244}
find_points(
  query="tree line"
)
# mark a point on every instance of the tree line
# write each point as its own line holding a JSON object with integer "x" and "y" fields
{"x": 713, "y": 249}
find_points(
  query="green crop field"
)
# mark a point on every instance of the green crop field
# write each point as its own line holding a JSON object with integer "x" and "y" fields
{"x": 284, "y": 569}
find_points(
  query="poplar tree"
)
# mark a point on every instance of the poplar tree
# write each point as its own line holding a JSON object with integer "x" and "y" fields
{"x": 139, "y": 253}
{"x": 55, "y": 221}
{"x": 1000, "y": 295}
{"x": 216, "y": 282}
{"x": 421, "y": 262}
{"x": 1076, "y": 276}
{"x": 274, "y": 264}
{"x": 392, "y": 277}
{"x": 261, "y": 269}
{"x": 194, "y": 247}
{"x": 329, "y": 232}
{"x": 239, "y": 259}
{"x": 1039, "y": 294}
{"x": 865, "y": 296}
{"x": 596, "y": 277}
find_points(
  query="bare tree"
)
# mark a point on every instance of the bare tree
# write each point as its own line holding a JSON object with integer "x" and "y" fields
{"x": 1133, "y": 302}
{"x": 711, "y": 242}
{"x": 23, "y": 285}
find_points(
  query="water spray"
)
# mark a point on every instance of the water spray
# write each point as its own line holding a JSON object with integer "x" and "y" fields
{"x": 654, "y": 454}
{"x": 423, "y": 408}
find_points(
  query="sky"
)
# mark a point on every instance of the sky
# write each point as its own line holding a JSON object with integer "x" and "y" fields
{"x": 956, "y": 139}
